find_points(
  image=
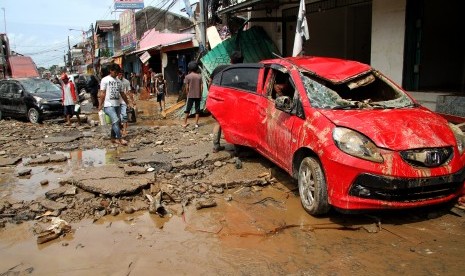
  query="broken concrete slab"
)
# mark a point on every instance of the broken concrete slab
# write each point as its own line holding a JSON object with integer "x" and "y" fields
{"x": 9, "y": 161}
{"x": 129, "y": 170}
{"x": 60, "y": 191}
{"x": 58, "y": 158}
{"x": 63, "y": 137}
{"x": 39, "y": 160}
{"x": 111, "y": 180}
{"x": 228, "y": 176}
{"x": 52, "y": 205}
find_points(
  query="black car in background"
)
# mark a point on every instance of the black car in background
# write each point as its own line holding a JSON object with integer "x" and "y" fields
{"x": 88, "y": 83}
{"x": 33, "y": 98}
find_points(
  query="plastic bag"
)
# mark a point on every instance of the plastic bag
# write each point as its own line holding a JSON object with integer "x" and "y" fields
{"x": 77, "y": 108}
{"x": 101, "y": 117}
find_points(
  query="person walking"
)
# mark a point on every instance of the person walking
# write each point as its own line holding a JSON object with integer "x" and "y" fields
{"x": 193, "y": 87}
{"x": 234, "y": 58}
{"x": 160, "y": 88}
{"x": 126, "y": 89}
{"x": 93, "y": 87}
{"x": 110, "y": 94}
{"x": 69, "y": 99}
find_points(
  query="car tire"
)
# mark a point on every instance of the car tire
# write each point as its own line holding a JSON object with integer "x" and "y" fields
{"x": 33, "y": 115}
{"x": 312, "y": 187}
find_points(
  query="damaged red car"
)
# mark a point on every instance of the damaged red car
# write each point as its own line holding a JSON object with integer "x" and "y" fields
{"x": 352, "y": 138}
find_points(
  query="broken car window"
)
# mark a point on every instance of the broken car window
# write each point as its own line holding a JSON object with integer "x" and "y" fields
{"x": 241, "y": 78}
{"x": 371, "y": 91}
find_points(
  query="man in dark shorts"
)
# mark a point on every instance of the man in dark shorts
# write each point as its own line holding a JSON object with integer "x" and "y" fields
{"x": 193, "y": 87}
{"x": 235, "y": 57}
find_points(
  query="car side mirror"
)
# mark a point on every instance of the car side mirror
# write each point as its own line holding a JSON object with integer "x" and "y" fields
{"x": 283, "y": 103}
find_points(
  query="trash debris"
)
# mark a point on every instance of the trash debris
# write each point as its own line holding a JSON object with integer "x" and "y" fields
{"x": 156, "y": 206}
{"x": 237, "y": 163}
{"x": 56, "y": 229}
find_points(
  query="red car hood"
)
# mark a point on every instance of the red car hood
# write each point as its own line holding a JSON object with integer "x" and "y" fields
{"x": 396, "y": 129}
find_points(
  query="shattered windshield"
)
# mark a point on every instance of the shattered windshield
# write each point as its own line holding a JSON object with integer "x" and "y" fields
{"x": 38, "y": 86}
{"x": 370, "y": 91}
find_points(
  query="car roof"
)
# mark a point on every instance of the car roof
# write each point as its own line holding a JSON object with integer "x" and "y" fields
{"x": 332, "y": 69}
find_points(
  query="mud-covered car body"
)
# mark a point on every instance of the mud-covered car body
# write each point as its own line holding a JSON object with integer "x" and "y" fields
{"x": 351, "y": 137}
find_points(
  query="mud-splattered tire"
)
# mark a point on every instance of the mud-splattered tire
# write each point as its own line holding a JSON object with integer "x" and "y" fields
{"x": 33, "y": 115}
{"x": 312, "y": 187}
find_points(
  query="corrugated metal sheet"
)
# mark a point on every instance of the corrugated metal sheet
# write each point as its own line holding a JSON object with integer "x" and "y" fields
{"x": 22, "y": 67}
{"x": 254, "y": 43}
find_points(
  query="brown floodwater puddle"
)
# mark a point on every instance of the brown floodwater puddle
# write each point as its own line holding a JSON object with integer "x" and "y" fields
{"x": 257, "y": 233}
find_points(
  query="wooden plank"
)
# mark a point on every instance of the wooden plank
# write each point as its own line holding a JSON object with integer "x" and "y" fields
{"x": 173, "y": 108}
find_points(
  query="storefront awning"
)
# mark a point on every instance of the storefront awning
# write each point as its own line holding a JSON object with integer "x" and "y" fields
{"x": 156, "y": 40}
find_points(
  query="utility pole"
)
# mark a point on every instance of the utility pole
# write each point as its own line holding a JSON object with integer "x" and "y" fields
{"x": 4, "y": 18}
{"x": 69, "y": 56}
{"x": 202, "y": 25}
{"x": 92, "y": 50}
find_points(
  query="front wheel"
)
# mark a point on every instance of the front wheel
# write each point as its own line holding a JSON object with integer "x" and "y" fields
{"x": 312, "y": 187}
{"x": 33, "y": 115}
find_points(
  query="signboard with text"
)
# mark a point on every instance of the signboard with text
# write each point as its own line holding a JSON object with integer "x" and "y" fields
{"x": 127, "y": 25}
{"x": 145, "y": 57}
{"x": 129, "y": 4}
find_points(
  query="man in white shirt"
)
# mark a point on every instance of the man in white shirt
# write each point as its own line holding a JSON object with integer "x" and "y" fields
{"x": 126, "y": 87}
{"x": 110, "y": 96}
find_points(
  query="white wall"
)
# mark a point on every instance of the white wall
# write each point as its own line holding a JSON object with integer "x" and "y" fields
{"x": 387, "y": 36}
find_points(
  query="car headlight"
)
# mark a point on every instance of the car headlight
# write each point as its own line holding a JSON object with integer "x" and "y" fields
{"x": 459, "y": 136}
{"x": 356, "y": 144}
{"x": 40, "y": 100}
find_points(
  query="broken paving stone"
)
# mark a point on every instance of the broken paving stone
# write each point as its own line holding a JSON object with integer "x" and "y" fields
{"x": 52, "y": 205}
{"x": 24, "y": 172}
{"x": 60, "y": 191}
{"x": 218, "y": 164}
{"x": 159, "y": 142}
{"x": 44, "y": 182}
{"x": 58, "y": 158}
{"x": 39, "y": 160}
{"x": 134, "y": 170}
{"x": 128, "y": 210}
{"x": 205, "y": 204}
{"x": 9, "y": 161}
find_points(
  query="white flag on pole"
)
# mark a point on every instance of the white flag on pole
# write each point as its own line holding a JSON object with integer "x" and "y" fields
{"x": 301, "y": 30}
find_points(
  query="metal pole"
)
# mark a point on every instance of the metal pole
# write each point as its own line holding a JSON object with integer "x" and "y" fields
{"x": 4, "y": 18}
{"x": 202, "y": 24}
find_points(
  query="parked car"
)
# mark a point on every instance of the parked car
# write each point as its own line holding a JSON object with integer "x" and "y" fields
{"x": 85, "y": 82}
{"x": 33, "y": 98}
{"x": 351, "y": 137}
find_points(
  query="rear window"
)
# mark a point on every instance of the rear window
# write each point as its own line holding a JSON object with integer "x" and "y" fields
{"x": 240, "y": 78}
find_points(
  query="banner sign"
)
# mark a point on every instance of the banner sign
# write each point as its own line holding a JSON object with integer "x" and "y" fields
{"x": 127, "y": 25}
{"x": 145, "y": 57}
{"x": 129, "y": 4}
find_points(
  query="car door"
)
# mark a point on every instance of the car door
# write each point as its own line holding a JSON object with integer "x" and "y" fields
{"x": 9, "y": 97}
{"x": 18, "y": 98}
{"x": 4, "y": 97}
{"x": 277, "y": 128}
{"x": 233, "y": 101}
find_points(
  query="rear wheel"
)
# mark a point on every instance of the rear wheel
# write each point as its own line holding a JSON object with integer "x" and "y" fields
{"x": 312, "y": 187}
{"x": 33, "y": 115}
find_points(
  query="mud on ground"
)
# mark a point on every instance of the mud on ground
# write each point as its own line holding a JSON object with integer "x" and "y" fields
{"x": 71, "y": 202}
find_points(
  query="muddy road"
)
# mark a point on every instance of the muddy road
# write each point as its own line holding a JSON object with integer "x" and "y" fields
{"x": 72, "y": 203}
